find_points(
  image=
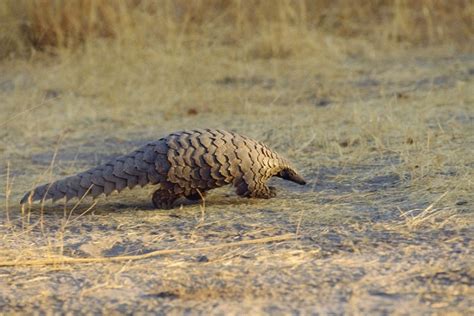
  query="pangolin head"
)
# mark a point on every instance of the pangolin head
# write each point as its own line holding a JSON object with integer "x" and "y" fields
{"x": 290, "y": 174}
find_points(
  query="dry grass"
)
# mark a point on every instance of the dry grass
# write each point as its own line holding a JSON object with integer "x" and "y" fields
{"x": 67, "y": 260}
{"x": 265, "y": 28}
{"x": 384, "y": 136}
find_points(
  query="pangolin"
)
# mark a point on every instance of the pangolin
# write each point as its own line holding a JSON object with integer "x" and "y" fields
{"x": 183, "y": 164}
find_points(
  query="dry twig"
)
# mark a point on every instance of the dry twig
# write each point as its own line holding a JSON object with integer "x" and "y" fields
{"x": 68, "y": 260}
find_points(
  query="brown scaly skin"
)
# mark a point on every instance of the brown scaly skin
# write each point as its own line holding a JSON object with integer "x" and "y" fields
{"x": 183, "y": 164}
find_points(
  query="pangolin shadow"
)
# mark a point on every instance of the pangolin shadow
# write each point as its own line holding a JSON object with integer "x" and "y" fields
{"x": 106, "y": 206}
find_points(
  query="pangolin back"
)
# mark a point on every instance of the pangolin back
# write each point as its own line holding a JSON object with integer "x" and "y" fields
{"x": 184, "y": 164}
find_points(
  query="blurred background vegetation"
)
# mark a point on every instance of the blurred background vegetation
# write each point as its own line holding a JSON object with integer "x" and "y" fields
{"x": 260, "y": 28}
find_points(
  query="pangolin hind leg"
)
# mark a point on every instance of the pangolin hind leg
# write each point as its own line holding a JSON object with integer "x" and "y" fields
{"x": 196, "y": 196}
{"x": 164, "y": 197}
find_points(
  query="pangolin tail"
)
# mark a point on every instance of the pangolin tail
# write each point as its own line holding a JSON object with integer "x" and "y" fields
{"x": 143, "y": 166}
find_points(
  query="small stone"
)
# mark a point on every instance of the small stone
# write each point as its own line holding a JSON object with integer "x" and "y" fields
{"x": 202, "y": 259}
{"x": 323, "y": 102}
{"x": 51, "y": 94}
{"x": 192, "y": 111}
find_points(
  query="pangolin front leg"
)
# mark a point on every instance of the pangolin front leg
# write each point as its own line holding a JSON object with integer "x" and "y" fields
{"x": 260, "y": 191}
{"x": 265, "y": 192}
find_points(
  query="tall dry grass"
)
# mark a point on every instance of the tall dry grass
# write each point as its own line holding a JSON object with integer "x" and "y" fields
{"x": 273, "y": 28}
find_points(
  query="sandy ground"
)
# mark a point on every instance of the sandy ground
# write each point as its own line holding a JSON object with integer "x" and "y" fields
{"x": 385, "y": 224}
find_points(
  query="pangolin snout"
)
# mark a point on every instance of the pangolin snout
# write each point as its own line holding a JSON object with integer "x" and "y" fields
{"x": 291, "y": 175}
